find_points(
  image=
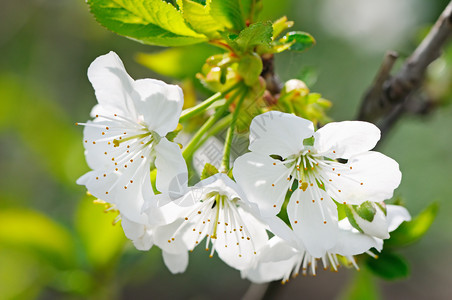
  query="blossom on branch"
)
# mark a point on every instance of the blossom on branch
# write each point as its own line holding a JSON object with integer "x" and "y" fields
{"x": 126, "y": 140}
{"x": 216, "y": 209}
{"x": 319, "y": 170}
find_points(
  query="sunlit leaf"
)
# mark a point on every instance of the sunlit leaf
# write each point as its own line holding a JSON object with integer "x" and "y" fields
{"x": 154, "y": 22}
{"x": 280, "y": 25}
{"x": 227, "y": 13}
{"x": 103, "y": 241}
{"x": 300, "y": 41}
{"x": 180, "y": 63}
{"x": 30, "y": 230}
{"x": 199, "y": 17}
{"x": 412, "y": 231}
{"x": 389, "y": 266}
{"x": 251, "y": 9}
{"x": 256, "y": 34}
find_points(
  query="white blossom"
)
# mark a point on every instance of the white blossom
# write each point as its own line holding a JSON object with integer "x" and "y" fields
{"x": 216, "y": 209}
{"x": 127, "y": 139}
{"x": 280, "y": 259}
{"x": 319, "y": 169}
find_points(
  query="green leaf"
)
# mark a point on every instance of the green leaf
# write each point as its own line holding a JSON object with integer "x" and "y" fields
{"x": 257, "y": 34}
{"x": 180, "y": 62}
{"x": 227, "y": 13}
{"x": 250, "y": 67}
{"x": 153, "y": 22}
{"x": 362, "y": 287}
{"x": 300, "y": 41}
{"x": 208, "y": 171}
{"x": 199, "y": 17}
{"x": 250, "y": 9}
{"x": 366, "y": 211}
{"x": 280, "y": 25}
{"x": 412, "y": 231}
{"x": 32, "y": 231}
{"x": 389, "y": 266}
{"x": 103, "y": 241}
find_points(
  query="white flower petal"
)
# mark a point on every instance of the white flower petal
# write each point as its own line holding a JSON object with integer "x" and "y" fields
{"x": 279, "y": 133}
{"x": 313, "y": 220}
{"x": 112, "y": 85}
{"x": 370, "y": 176}
{"x": 169, "y": 238}
{"x": 176, "y": 263}
{"x": 159, "y": 104}
{"x": 172, "y": 174}
{"x": 279, "y": 228}
{"x": 139, "y": 234}
{"x": 347, "y": 138}
{"x": 216, "y": 208}
{"x": 377, "y": 228}
{"x": 276, "y": 261}
{"x": 351, "y": 242}
{"x": 396, "y": 215}
{"x": 116, "y": 188}
{"x": 264, "y": 181}
{"x": 242, "y": 246}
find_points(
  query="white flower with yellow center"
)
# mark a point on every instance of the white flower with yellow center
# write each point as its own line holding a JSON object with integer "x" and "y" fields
{"x": 127, "y": 138}
{"x": 319, "y": 168}
{"x": 216, "y": 209}
{"x": 280, "y": 259}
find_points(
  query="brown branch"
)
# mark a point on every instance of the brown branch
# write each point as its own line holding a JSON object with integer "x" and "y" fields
{"x": 390, "y": 97}
{"x": 268, "y": 73}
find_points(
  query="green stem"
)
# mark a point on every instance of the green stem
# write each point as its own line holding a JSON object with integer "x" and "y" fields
{"x": 220, "y": 125}
{"x": 194, "y": 143}
{"x": 230, "y": 134}
{"x": 201, "y": 107}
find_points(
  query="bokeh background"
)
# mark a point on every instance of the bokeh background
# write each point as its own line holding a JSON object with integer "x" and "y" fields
{"x": 56, "y": 244}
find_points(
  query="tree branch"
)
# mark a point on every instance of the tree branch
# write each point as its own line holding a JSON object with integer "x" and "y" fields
{"x": 385, "y": 101}
{"x": 390, "y": 97}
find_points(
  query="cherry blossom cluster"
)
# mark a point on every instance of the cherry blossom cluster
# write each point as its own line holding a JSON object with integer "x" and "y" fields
{"x": 308, "y": 175}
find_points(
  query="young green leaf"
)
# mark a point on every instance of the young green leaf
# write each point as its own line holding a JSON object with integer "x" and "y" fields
{"x": 178, "y": 62}
{"x": 250, "y": 67}
{"x": 209, "y": 170}
{"x": 200, "y": 18}
{"x": 410, "y": 232}
{"x": 154, "y": 22}
{"x": 389, "y": 266}
{"x": 227, "y": 13}
{"x": 280, "y": 25}
{"x": 257, "y": 34}
{"x": 300, "y": 41}
{"x": 250, "y": 9}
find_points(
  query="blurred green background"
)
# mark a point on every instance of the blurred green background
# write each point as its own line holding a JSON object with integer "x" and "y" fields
{"x": 56, "y": 244}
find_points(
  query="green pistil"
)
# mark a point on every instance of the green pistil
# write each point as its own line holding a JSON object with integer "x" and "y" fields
{"x": 155, "y": 137}
{"x": 219, "y": 202}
